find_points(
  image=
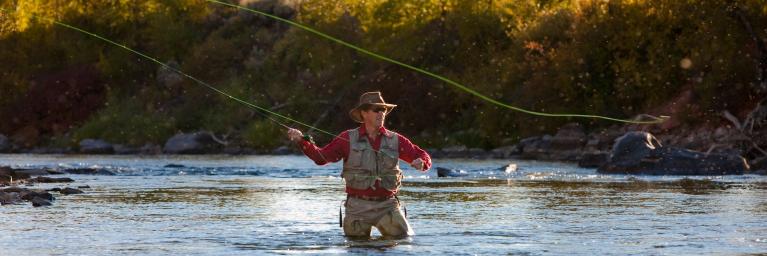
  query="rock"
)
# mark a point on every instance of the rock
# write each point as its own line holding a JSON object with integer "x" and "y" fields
{"x": 84, "y": 186}
{"x": 193, "y": 143}
{"x": 125, "y": 150}
{"x": 150, "y": 149}
{"x": 283, "y": 150}
{"x": 43, "y": 179}
{"x": 8, "y": 174}
{"x": 9, "y": 198}
{"x": 94, "y": 146}
{"x": 506, "y": 151}
{"x": 33, "y": 172}
{"x": 49, "y": 150}
{"x": 593, "y": 159}
{"x": 37, "y": 202}
{"x": 55, "y": 189}
{"x": 631, "y": 148}
{"x": 454, "y": 151}
{"x": 174, "y": 166}
{"x": 89, "y": 171}
{"x": 445, "y": 172}
{"x": 5, "y": 144}
{"x": 535, "y": 147}
{"x": 13, "y": 189}
{"x": 70, "y": 191}
{"x": 477, "y": 153}
{"x": 641, "y": 153}
{"x": 569, "y": 137}
{"x": 31, "y": 194}
{"x": 55, "y": 172}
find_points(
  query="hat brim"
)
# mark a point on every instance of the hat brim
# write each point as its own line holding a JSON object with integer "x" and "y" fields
{"x": 356, "y": 113}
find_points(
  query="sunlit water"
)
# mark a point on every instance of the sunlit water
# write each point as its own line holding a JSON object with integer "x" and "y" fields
{"x": 222, "y": 205}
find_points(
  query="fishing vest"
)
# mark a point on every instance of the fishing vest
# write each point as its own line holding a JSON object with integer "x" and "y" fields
{"x": 364, "y": 165}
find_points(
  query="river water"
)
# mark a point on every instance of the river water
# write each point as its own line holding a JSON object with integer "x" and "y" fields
{"x": 246, "y": 205}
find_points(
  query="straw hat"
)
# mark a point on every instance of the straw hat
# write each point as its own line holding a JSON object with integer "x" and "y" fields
{"x": 367, "y": 100}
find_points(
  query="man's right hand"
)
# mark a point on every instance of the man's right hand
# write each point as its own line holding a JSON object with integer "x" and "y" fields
{"x": 295, "y": 135}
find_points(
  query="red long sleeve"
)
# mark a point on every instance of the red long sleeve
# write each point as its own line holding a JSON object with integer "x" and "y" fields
{"x": 338, "y": 149}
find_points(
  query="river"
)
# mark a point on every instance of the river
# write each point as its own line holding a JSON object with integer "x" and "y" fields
{"x": 246, "y": 205}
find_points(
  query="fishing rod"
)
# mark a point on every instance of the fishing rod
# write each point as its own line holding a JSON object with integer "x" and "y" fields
{"x": 653, "y": 119}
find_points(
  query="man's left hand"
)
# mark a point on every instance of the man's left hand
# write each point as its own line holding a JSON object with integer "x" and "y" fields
{"x": 417, "y": 164}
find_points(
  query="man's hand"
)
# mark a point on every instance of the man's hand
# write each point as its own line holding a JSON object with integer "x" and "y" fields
{"x": 417, "y": 164}
{"x": 295, "y": 135}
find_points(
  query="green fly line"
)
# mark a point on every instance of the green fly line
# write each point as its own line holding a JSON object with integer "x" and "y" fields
{"x": 654, "y": 119}
{"x": 203, "y": 83}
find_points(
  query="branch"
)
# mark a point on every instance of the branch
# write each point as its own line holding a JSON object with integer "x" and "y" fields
{"x": 734, "y": 120}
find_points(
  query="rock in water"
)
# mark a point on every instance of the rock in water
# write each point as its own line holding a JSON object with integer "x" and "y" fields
{"x": 70, "y": 191}
{"x": 94, "y": 146}
{"x": 193, "y": 143}
{"x": 38, "y": 201}
{"x": 445, "y": 172}
{"x": 641, "y": 153}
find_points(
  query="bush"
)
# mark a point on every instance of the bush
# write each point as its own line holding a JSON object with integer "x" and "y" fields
{"x": 127, "y": 122}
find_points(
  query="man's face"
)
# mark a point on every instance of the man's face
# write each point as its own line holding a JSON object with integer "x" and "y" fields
{"x": 374, "y": 116}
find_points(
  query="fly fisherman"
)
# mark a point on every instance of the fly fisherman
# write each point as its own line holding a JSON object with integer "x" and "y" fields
{"x": 371, "y": 168}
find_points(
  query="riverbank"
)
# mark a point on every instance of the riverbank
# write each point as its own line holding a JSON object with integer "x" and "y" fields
{"x": 571, "y": 143}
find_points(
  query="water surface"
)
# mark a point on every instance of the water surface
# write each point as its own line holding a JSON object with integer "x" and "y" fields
{"x": 225, "y": 205}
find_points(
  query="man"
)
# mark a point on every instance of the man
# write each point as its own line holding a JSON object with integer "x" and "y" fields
{"x": 371, "y": 171}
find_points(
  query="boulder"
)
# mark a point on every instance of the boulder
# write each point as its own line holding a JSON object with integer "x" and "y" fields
{"x": 9, "y": 198}
{"x": 8, "y": 174}
{"x": 150, "y": 149}
{"x": 43, "y": 179}
{"x": 570, "y": 137}
{"x": 70, "y": 191}
{"x": 642, "y": 153}
{"x": 125, "y": 150}
{"x": 49, "y": 150}
{"x": 37, "y": 202}
{"x": 455, "y": 151}
{"x": 593, "y": 159}
{"x": 505, "y": 151}
{"x": 192, "y": 143}
{"x": 5, "y": 144}
{"x": 31, "y": 194}
{"x": 282, "y": 150}
{"x": 445, "y": 172}
{"x": 89, "y": 171}
{"x": 535, "y": 147}
{"x": 94, "y": 146}
{"x": 33, "y": 172}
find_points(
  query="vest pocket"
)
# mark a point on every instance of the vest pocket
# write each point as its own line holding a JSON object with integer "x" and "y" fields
{"x": 391, "y": 181}
{"x": 355, "y": 158}
{"x": 358, "y": 179}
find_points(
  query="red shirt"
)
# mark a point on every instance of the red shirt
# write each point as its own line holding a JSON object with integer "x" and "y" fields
{"x": 339, "y": 149}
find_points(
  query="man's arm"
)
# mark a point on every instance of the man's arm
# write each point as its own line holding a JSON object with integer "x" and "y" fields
{"x": 414, "y": 155}
{"x": 332, "y": 152}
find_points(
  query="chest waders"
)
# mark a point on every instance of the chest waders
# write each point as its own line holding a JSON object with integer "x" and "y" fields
{"x": 366, "y": 166}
